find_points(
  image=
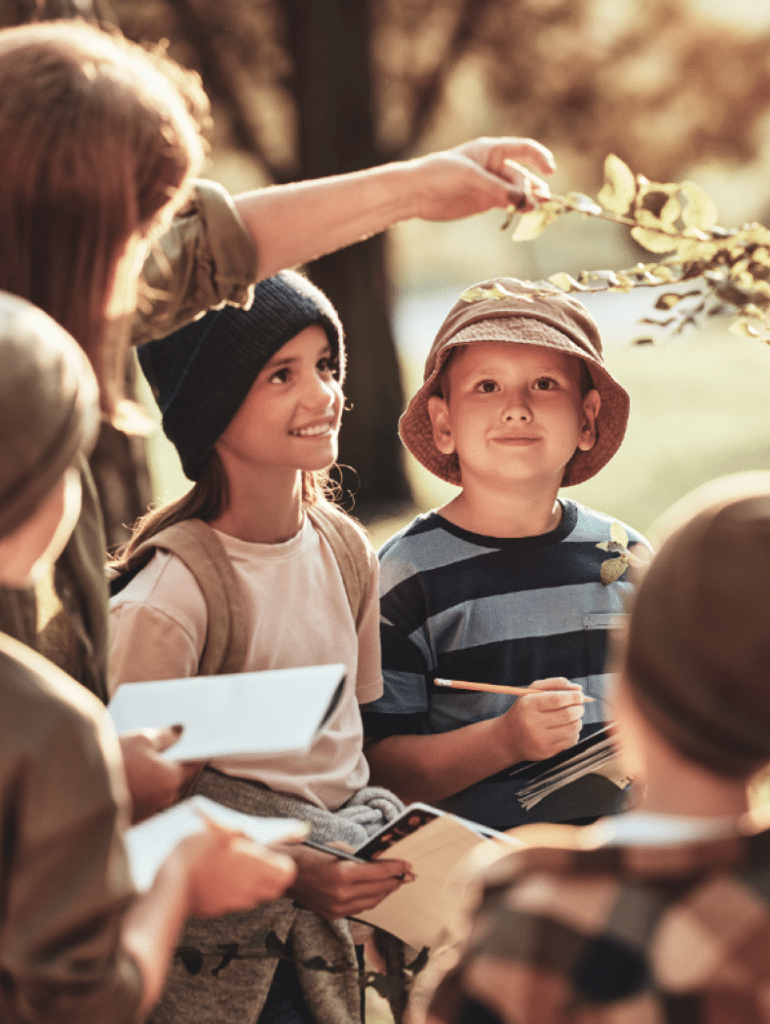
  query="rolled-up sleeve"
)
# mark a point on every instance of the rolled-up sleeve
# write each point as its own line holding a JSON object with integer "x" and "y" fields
{"x": 206, "y": 258}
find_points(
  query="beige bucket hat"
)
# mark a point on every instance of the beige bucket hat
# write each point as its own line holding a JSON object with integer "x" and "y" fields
{"x": 519, "y": 312}
{"x": 49, "y": 407}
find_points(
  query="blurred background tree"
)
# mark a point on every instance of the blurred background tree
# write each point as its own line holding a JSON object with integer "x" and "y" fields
{"x": 303, "y": 88}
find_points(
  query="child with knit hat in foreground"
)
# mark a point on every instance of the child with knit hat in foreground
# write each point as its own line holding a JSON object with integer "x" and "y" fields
{"x": 661, "y": 915}
{"x": 77, "y": 945}
{"x": 507, "y": 584}
{"x": 252, "y": 400}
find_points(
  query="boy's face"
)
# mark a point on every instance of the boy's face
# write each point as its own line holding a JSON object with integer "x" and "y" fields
{"x": 515, "y": 413}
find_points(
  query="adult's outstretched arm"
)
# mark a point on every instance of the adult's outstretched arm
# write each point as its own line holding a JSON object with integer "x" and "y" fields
{"x": 218, "y": 245}
{"x": 296, "y": 223}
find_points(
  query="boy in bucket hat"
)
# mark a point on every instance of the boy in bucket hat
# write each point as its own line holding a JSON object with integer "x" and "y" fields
{"x": 661, "y": 914}
{"x": 507, "y": 584}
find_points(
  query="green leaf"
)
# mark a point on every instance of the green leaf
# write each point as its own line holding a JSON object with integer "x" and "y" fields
{"x": 599, "y": 278}
{"x": 754, "y": 233}
{"x": 700, "y": 210}
{"x": 648, "y": 219}
{"x": 612, "y": 569}
{"x": 619, "y": 189}
{"x": 536, "y": 221}
{"x": 668, "y": 300}
{"x": 747, "y": 328}
{"x": 566, "y": 283}
{"x": 479, "y": 294}
{"x": 690, "y": 251}
{"x": 671, "y": 211}
{"x": 618, "y": 534}
{"x": 654, "y": 241}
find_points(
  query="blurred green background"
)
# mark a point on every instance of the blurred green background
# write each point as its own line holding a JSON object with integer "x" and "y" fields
{"x": 680, "y": 89}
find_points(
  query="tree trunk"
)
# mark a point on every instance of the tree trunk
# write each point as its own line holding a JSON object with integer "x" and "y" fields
{"x": 330, "y": 41}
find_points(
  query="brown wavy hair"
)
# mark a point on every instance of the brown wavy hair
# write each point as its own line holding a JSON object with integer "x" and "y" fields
{"x": 207, "y": 499}
{"x": 98, "y": 140}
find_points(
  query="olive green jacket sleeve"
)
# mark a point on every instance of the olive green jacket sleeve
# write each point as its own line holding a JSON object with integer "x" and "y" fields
{"x": 206, "y": 258}
{"x": 64, "y": 880}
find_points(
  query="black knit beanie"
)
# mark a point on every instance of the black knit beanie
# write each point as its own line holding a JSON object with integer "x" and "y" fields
{"x": 201, "y": 374}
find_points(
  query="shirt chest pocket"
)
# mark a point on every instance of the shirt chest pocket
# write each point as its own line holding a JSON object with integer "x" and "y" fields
{"x": 599, "y": 630}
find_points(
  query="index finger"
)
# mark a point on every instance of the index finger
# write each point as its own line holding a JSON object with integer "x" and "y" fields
{"x": 553, "y": 700}
{"x": 386, "y": 868}
{"x": 555, "y": 683}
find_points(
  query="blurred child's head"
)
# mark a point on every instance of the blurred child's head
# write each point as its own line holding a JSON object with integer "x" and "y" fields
{"x": 207, "y": 376}
{"x": 508, "y": 341}
{"x": 696, "y": 660}
{"x": 97, "y": 143}
{"x": 49, "y": 416}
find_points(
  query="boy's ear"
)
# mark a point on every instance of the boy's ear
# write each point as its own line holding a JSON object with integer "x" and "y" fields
{"x": 439, "y": 417}
{"x": 592, "y": 403}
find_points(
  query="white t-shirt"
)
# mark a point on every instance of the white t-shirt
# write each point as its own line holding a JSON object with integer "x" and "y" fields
{"x": 297, "y": 613}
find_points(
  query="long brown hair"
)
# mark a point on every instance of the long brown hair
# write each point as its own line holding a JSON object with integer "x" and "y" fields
{"x": 96, "y": 142}
{"x": 207, "y": 499}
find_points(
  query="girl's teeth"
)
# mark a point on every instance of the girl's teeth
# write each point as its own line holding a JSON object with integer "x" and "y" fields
{"x": 310, "y": 431}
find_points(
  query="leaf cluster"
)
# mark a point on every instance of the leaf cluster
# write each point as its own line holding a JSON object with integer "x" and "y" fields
{"x": 729, "y": 268}
{"x": 613, "y": 568}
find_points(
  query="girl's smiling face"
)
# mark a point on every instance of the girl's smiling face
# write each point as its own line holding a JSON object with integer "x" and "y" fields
{"x": 514, "y": 413}
{"x": 291, "y": 416}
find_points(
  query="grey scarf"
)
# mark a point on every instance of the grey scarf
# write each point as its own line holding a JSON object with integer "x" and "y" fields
{"x": 224, "y": 967}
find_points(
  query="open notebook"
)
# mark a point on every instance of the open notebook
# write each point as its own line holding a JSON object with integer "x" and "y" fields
{"x": 279, "y": 711}
{"x": 434, "y": 842}
{"x": 151, "y": 841}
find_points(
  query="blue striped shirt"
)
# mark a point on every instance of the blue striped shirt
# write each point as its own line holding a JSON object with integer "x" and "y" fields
{"x": 459, "y": 605}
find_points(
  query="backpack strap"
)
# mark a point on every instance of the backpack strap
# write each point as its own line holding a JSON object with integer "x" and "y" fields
{"x": 351, "y": 549}
{"x": 197, "y": 545}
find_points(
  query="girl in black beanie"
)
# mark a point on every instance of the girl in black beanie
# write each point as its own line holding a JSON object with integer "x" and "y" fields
{"x": 252, "y": 400}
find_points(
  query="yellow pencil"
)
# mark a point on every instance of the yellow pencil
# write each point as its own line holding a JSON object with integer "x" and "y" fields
{"x": 512, "y": 691}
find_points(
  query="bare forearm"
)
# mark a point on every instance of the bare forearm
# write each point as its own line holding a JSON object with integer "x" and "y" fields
{"x": 432, "y": 767}
{"x": 294, "y": 224}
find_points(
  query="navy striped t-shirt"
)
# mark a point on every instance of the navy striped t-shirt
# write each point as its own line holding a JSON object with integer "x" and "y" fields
{"x": 459, "y": 605}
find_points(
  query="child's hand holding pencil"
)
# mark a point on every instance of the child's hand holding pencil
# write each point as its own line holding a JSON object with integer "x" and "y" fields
{"x": 545, "y": 719}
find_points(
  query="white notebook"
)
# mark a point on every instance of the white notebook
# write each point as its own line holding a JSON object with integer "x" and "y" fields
{"x": 151, "y": 841}
{"x": 279, "y": 711}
